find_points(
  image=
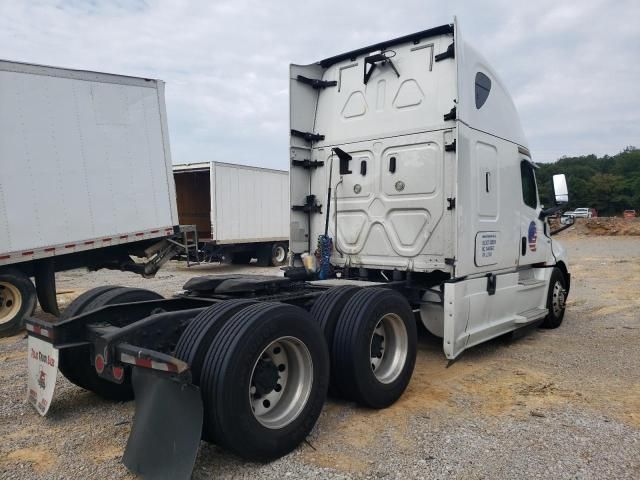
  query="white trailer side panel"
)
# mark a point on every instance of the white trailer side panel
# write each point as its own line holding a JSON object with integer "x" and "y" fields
{"x": 84, "y": 156}
{"x": 248, "y": 204}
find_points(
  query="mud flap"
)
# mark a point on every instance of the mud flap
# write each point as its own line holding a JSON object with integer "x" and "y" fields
{"x": 42, "y": 367}
{"x": 167, "y": 426}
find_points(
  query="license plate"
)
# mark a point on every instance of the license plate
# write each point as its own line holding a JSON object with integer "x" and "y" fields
{"x": 42, "y": 367}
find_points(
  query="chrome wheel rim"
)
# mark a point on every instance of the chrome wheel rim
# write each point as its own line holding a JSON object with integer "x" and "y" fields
{"x": 388, "y": 347}
{"x": 10, "y": 302}
{"x": 558, "y": 298}
{"x": 281, "y": 382}
{"x": 281, "y": 254}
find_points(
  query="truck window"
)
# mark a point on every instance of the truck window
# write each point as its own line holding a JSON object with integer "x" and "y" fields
{"x": 483, "y": 87}
{"x": 529, "y": 191}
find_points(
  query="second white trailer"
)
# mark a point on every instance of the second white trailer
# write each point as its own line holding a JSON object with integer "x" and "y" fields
{"x": 241, "y": 212}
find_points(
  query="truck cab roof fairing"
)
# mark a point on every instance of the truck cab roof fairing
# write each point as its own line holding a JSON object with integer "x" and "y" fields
{"x": 497, "y": 115}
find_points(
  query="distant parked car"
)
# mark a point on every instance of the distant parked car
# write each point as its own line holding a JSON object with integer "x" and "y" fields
{"x": 570, "y": 216}
{"x": 629, "y": 214}
{"x": 582, "y": 212}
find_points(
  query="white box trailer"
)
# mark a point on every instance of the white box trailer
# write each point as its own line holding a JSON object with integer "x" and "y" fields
{"x": 412, "y": 185}
{"x": 240, "y": 212}
{"x": 85, "y": 178}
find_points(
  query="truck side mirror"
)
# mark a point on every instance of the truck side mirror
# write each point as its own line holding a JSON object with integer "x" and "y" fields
{"x": 560, "y": 189}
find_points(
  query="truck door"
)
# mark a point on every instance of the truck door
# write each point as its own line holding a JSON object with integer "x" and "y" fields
{"x": 534, "y": 244}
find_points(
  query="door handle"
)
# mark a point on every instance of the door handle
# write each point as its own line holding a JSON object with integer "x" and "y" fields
{"x": 392, "y": 164}
{"x": 524, "y": 246}
{"x": 363, "y": 168}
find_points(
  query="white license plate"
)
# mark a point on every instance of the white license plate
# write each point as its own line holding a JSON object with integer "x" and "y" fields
{"x": 42, "y": 367}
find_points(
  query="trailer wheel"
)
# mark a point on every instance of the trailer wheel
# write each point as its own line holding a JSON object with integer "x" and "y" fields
{"x": 556, "y": 299}
{"x": 278, "y": 254}
{"x": 264, "y": 381}
{"x": 194, "y": 342}
{"x": 75, "y": 363}
{"x": 17, "y": 299}
{"x": 374, "y": 347}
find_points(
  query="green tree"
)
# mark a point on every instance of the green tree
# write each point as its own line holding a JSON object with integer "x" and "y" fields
{"x": 609, "y": 183}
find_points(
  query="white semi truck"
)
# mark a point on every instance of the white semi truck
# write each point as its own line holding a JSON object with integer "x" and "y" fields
{"x": 85, "y": 180}
{"x": 240, "y": 212}
{"x": 413, "y": 187}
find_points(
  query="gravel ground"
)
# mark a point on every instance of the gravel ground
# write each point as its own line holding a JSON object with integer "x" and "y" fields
{"x": 563, "y": 403}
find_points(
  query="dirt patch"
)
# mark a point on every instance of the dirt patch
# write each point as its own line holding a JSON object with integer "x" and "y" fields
{"x": 336, "y": 461}
{"x": 604, "y": 226}
{"x": 39, "y": 457}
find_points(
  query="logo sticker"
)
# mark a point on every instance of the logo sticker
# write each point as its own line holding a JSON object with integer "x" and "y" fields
{"x": 533, "y": 236}
{"x": 42, "y": 367}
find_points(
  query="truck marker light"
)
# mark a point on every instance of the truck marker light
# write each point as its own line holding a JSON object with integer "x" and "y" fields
{"x": 99, "y": 363}
{"x": 118, "y": 373}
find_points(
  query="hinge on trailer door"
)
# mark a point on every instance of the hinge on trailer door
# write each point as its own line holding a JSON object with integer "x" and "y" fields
{"x": 308, "y": 136}
{"x": 452, "y": 203}
{"x": 306, "y": 163}
{"x": 450, "y": 147}
{"x": 450, "y": 261}
{"x": 315, "y": 83}
{"x": 451, "y": 115}
{"x": 310, "y": 206}
{"x": 449, "y": 53}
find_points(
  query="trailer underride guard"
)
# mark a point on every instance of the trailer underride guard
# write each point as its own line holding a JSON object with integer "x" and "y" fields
{"x": 430, "y": 212}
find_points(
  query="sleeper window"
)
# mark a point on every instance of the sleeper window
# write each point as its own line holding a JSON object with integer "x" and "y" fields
{"x": 483, "y": 87}
{"x": 529, "y": 193}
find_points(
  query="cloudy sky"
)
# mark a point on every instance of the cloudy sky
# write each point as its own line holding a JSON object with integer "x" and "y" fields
{"x": 573, "y": 67}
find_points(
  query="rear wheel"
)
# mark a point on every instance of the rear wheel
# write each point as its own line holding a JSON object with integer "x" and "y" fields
{"x": 264, "y": 381}
{"x": 76, "y": 362}
{"x": 374, "y": 347}
{"x": 194, "y": 342}
{"x": 556, "y": 298}
{"x": 17, "y": 300}
{"x": 326, "y": 310}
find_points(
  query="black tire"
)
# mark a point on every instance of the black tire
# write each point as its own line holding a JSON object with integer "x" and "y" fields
{"x": 69, "y": 358}
{"x": 227, "y": 376}
{"x": 78, "y": 305}
{"x": 279, "y": 252}
{"x": 75, "y": 363}
{"x": 326, "y": 310}
{"x": 194, "y": 342}
{"x": 241, "y": 258}
{"x": 352, "y": 353}
{"x": 555, "y": 296}
{"x": 15, "y": 287}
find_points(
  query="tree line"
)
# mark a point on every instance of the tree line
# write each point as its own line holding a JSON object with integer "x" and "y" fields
{"x": 610, "y": 184}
